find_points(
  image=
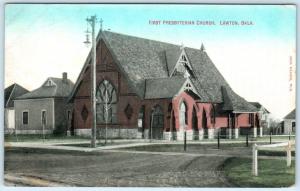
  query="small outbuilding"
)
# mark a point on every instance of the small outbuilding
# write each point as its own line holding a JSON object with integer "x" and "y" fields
{"x": 10, "y": 93}
{"x": 44, "y": 110}
{"x": 289, "y": 123}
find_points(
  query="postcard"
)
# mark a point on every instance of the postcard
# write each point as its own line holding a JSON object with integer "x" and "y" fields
{"x": 150, "y": 95}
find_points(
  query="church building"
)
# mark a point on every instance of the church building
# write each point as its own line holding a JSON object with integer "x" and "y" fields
{"x": 157, "y": 90}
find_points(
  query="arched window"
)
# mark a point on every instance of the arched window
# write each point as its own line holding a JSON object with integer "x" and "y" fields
{"x": 183, "y": 114}
{"x": 106, "y": 103}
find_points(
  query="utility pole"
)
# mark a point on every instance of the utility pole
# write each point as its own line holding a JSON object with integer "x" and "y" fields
{"x": 92, "y": 21}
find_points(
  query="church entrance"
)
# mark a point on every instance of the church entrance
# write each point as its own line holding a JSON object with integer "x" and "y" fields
{"x": 195, "y": 125}
{"x": 157, "y": 124}
{"x": 204, "y": 124}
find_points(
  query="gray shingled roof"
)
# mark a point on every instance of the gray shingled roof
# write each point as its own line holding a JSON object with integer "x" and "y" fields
{"x": 60, "y": 89}
{"x": 163, "y": 87}
{"x": 258, "y": 106}
{"x": 291, "y": 115}
{"x": 11, "y": 92}
{"x": 142, "y": 61}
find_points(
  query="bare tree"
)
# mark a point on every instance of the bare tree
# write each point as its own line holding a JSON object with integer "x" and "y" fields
{"x": 107, "y": 107}
{"x": 274, "y": 125}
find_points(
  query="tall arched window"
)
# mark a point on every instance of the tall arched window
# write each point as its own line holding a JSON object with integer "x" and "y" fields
{"x": 106, "y": 103}
{"x": 183, "y": 115}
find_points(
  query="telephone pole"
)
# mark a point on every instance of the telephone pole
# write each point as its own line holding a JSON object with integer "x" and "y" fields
{"x": 92, "y": 21}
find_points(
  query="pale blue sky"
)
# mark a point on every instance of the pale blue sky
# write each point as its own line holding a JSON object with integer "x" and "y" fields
{"x": 271, "y": 21}
{"x": 46, "y": 39}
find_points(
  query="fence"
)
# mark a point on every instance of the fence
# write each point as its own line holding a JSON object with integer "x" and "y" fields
{"x": 288, "y": 149}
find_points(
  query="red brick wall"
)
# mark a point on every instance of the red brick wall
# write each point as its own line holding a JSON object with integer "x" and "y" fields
{"x": 221, "y": 120}
{"x": 108, "y": 69}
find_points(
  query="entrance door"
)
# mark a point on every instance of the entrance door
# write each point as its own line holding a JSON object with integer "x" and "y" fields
{"x": 204, "y": 124}
{"x": 195, "y": 125}
{"x": 157, "y": 123}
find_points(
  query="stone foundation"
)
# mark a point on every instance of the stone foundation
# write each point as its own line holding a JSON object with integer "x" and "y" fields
{"x": 261, "y": 132}
{"x": 254, "y": 132}
{"x": 111, "y": 133}
{"x": 211, "y": 133}
{"x": 201, "y": 134}
{"x": 229, "y": 133}
{"x": 139, "y": 135}
{"x": 31, "y": 132}
{"x": 167, "y": 136}
{"x": 189, "y": 135}
{"x": 236, "y": 133}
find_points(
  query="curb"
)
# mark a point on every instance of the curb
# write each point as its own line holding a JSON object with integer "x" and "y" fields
{"x": 33, "y": 181}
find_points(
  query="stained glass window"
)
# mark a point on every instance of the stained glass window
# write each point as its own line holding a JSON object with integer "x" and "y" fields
{"x": 106, "y": 103}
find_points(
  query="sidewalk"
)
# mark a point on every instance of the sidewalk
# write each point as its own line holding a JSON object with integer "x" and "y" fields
{"x": 22, "y": 180}
{"x": 118, "y": 148}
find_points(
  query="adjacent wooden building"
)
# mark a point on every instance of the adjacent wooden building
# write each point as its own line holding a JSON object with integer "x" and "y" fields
{"x": 45, "y": 110}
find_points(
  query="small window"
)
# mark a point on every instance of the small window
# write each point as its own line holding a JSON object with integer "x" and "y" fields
{"x": 44, "y": 118}
{"x": 25, "y": 118}
{"x": 68, "y": 115}
{"x": 250, "y": 118}
{"x": 128, "y": 111}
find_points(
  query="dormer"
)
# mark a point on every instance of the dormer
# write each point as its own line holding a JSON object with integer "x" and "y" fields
{"x": 49, "y": 83}
{"x": 183, "y": 65}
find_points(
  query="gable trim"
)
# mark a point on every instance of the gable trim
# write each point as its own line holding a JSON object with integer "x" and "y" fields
{"x": 10, "y": 95}
{"x": 183, "y": 53}
{"x": 192, "y": 87}
{"x": 100, "y": 37}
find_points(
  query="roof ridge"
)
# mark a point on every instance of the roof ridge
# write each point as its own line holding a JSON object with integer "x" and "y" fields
{"x": 143, "y": 38}
{"x": 14, "y": 86}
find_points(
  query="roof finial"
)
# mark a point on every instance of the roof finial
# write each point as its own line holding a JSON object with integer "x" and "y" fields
{"x": 101, "y": 22}
{"x": 181, "y": 46}
{"x": 202, "y": 48}
{"x": 186, "y": 74}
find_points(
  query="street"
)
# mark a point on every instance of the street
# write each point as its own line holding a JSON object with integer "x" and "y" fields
{"x": 116, "y": 168}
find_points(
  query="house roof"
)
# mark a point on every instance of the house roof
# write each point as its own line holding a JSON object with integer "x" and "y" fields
{"x": 148, "y": 62}
{"x": 59, "y": 89}
{"x": 291, "y": 115}
{"x": 11, "y": 92}
{"x": 258, "y": 106}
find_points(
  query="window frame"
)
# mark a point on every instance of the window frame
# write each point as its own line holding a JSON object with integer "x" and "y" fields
{"x": 100, "y": 104}
{"x": 25, "y": 111}
{"x": 44, "y": 110}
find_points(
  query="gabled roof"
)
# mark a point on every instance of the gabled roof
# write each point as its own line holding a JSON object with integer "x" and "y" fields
{"x": 291, "y": 115}
{"x": 58, "y": 89}
{"x": 11, "y": 92}
{"x": 163, "y": 87}
{"x": 259, "y": 106}
{"x": 142, "y": 61}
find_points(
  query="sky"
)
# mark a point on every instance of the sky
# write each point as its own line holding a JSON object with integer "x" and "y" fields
{"x": 43, "y": 40}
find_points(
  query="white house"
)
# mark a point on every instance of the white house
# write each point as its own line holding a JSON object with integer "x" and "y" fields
{"x": 10, "y": 93}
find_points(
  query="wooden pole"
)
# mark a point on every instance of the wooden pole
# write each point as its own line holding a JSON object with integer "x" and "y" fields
{"x": 184, "y": 147}
{"x": 288, "y": 155}
{"x": 218, "y": 139}
{"x": 270, "y": 137}
{"x": 247, "y": 140}
{"x": 254, "y": 160}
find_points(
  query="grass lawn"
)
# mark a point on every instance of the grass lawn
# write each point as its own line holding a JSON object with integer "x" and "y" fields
{"x": 271, "y": 173}
{"x": 39, "y": 138}
{"x": 193, "y": 148}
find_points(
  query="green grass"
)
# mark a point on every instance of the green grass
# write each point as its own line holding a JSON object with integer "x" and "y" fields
{"x": 274, "y": 153}
{"x": 271, "y": 173}
{"x": 193, "y": 148}
{"x": 37, "y": 138}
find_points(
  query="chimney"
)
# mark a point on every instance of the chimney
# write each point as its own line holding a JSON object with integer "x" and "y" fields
{"x": 65, "y": 77}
